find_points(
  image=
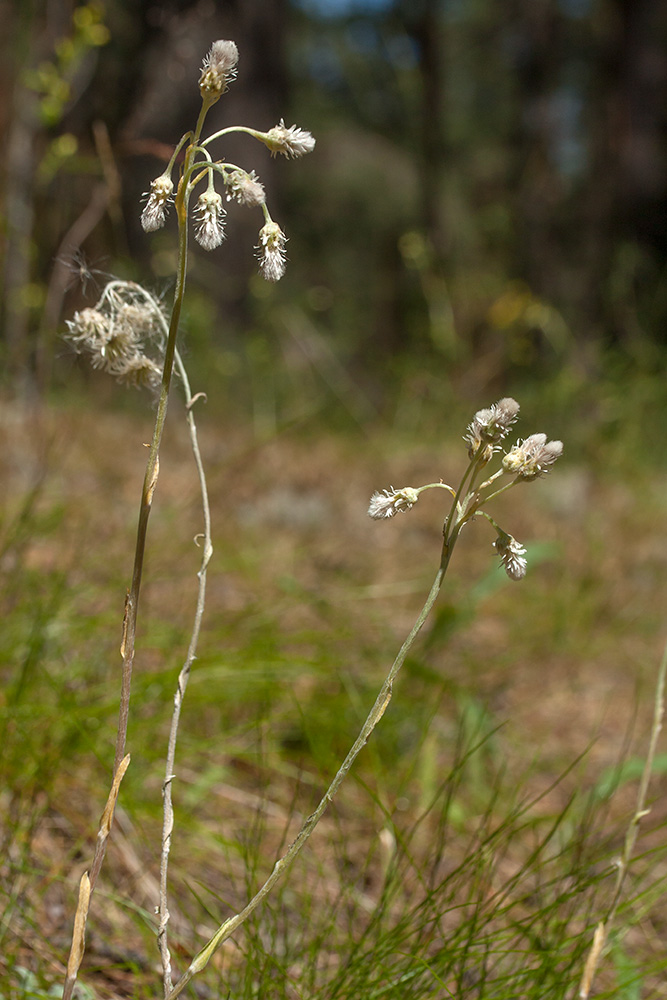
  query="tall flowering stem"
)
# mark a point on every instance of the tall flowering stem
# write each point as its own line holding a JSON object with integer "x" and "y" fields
{"x": 112, "y": 335}
{"x": 488, "y": 429}
{"x": 282, "y": 865}
{"x": 152, "y": 465}
{"x": 132, "y": 600}
{"x": 219, "y": 68}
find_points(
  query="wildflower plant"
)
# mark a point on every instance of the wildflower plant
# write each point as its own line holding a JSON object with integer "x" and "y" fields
{"x": 129, "y": 334}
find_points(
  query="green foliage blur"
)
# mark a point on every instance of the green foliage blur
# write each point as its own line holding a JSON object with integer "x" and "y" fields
{"x": 486, "y": 197}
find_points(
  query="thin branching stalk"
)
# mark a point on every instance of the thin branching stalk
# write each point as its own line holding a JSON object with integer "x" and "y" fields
{"x": 623, "y": 864}
{"x": 489, "y": 427}
{"x": 168, "y": 812}
{"x": 281, "y": 866}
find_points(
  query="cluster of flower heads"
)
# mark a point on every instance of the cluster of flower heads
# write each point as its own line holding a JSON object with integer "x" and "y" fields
{"x": 525, "y": 461}
{"x": 243, "y": 186}
{"x": 118, "y": 331}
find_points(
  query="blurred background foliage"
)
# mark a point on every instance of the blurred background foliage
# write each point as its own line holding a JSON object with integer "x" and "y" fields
{"x": 486, "y": 199}
{"x": 483, "y": 214}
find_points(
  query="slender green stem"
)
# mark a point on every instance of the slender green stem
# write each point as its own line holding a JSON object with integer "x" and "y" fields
{"x": 227, "y": 928}
{"x": 183, "y": 677}
{"x": 450, "y": 521}
{"x": 503, "y": 489}
{"x": 132, "y": 599}
{"x": 255, "y": 133}
{"x": 152, "y": 465}
{"x": 148, "y": 489}
{"x": 177, "y": 149}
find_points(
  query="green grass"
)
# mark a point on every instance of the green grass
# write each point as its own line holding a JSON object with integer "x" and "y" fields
{"x": 471, "y": 853}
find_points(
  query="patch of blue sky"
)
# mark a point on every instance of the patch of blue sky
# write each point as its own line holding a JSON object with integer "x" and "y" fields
{"x": 324, "y": 66}
{"x": 453, "y": 9}
{"x": 568, "y": 148}
{"x": 343, "y": 8}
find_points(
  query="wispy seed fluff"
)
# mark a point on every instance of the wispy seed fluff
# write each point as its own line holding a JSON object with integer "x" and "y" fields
{"x": 512, "y": 555}
{"x": 271, "y": 251}
{"x": 489, "y": 427}
{"x": 390, "y": 502}
{"x": 153, "y": 215}
{"x": 290, "y": 141}
{"x": 210, "y": 216}
{"x": 245, "y": 188}
{"x": 533, "y": 457}
{"x": 218, "y": 69}
{"x": 114, "y": 340}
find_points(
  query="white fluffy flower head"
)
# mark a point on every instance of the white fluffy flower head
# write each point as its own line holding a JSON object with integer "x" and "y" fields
{"x": 489, "y": 427}
{"x": 245, "y": 188}
{"x": 290, "y": 141}
{"x": 271, "y": 251}
{"x": 390, "y": 502}
{"x": 218, "y": 69}
{"x": 512, "y": 555}
{"x": 210, "y": 229}
{"x": 153, "y": 215}
{"x": 533, "y": 457}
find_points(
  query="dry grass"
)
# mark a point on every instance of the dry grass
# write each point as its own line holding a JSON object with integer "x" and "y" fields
{"x": 308, "y": 600}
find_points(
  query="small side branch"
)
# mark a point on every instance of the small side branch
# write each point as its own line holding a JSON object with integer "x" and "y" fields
{"x": 168, "y": 811}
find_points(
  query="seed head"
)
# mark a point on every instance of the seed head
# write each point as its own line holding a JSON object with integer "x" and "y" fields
{"x": 218, "y": 69}
{"x": 533, "y": 457}
{"x": 271, "y": 251}
{"x": 153, "y": 215}
{"x": 88, "y": 330}
{"x": 114, "y": 332}
{"x": 210, "y": 229}
{"x": 391, "y": 502}
{"x": 512, "y": 555}
{"x": 246, "y": 188}
{"x": 137, "y": 370}
{"x": 290, "y": 141}
{"x": 489, "y": 427}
